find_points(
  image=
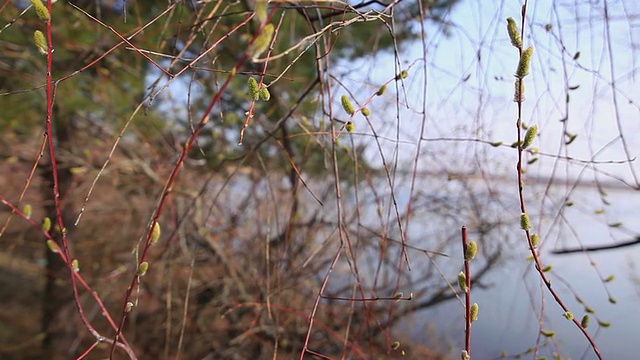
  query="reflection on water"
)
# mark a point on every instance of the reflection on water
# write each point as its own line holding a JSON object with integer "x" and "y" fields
{"x": 511, "y": 306}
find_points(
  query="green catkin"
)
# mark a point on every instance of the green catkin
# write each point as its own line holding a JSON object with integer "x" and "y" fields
{"x": 585, "y": 321}
{"x": 525, "y": 63}
{"x": 347, "y": 105}
{"x": 475, "y": 309}
{"x": 525, "y": 222}
{"x": 263, "y": 41}
{"x": 471, "y": 251}
{"x": 28, "y": 211}
{"x": 514, "y": 33}
{"x": 530, "y": 136}
{"x": 155, "y": 234}
{"x": 350, "y": 127}
{"x": 519, "y": 92}
{"x": 46, "y": 224}
{"x": 402, "y": 75}
{"x": 75, "y": 265}
{"x": 261, "y": 11}
{"x": 264, "y": 93}
{"x": 254, "y": 89}
{"x": 41, "y": 42}
{"x": 535, "y": 240}
{"x": 366, "y": 112}
{"x": 41, "y": 10}
{"x": 142, "y": 268}
{"x": 381, "y": 90}
{"x": 52, "y": 246}
{"x": 462, "y": 282}
{"x": 548, "y": 333}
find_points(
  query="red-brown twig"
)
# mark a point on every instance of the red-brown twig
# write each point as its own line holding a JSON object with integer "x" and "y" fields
{"x": 536, "y": 258}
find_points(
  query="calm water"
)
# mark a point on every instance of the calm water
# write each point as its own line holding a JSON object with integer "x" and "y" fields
{"x": 510, "y": 308}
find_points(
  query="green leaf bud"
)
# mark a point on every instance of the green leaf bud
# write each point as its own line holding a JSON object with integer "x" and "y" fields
{"x": 142, "y": 268}
{"x": 568, "y": 315}
{"x": 496, "y": 144}
{"x": 589, "y": 309}
{"x": 613, "y": 300}
{"x": 41, "y": 10}
{"x": 530, "y": 136}
{"x": 75, "y": 265}
{"x": 535, "y": 240}
{"x": 381, "y": 90}
{"x": 604, "y": 324}
{"x": 46, "y": 224}
{"x": 471, "y": 251}
{"x": 474, "y": 312}
{"x": 585, "y": 321}
{"x": 462, "y": 282}
{"x": 52, "y": 246}
{"x": 27, "y": 211}
{"x": 464, "y": 355}
{"x": 395, "y": 345}
{"x": 525, "y": 222}
{"x": 347, "y": 105}
{"x": 525, "y": 63}
{"x": 350, "y": 126}
{"x": 548, "y": 333}
{"x": 402, "y": 75}
{"x": 610, "y": 278}
{"x": 547, "y": 268}
{"x": 41, "y": 42}
{"x": 366, "y": 111}
{"x": 155, "y": 233}
{"x": 514, "y": 33}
